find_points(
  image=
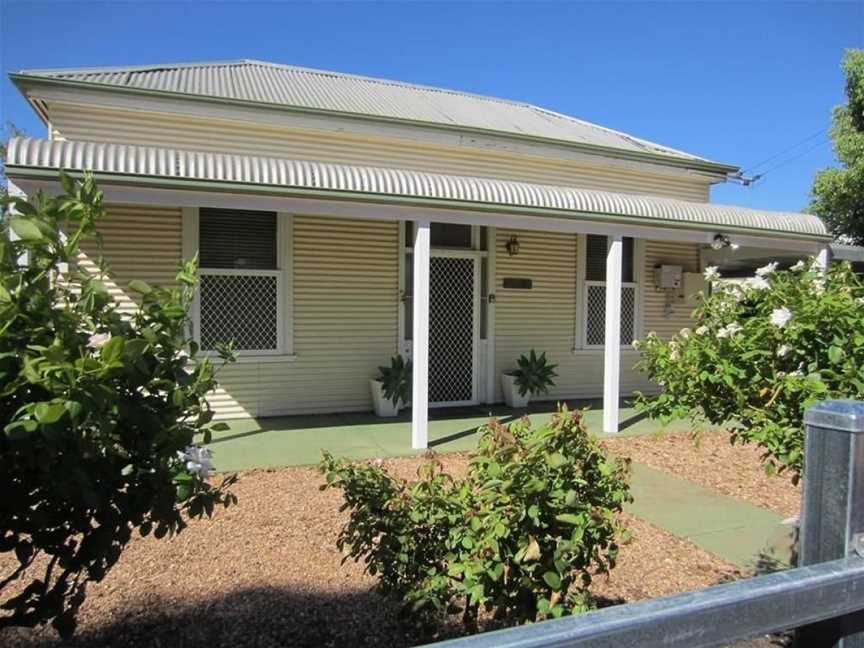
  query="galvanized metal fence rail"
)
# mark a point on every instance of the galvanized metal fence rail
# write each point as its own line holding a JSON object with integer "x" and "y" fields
{"x": 823, "y": 599}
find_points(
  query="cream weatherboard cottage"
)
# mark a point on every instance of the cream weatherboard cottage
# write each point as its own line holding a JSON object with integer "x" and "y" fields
{"x": 342, "y": 219}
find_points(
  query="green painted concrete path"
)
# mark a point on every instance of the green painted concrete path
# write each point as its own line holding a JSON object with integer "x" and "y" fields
{"x": 733, "y": 530}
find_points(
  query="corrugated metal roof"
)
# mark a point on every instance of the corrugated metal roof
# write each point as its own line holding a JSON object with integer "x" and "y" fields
{"x": 137, "y": 161}
{"x": 285, "y": 85}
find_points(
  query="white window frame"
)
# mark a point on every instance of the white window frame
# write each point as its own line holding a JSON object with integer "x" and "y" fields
{"x": 582, "y": 285}
{"x": 284, "y": 286}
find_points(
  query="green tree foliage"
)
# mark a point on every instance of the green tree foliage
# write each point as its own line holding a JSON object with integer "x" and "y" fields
{"x": 838, "y": 193}
{"x": 763, "y": 352}
{"x": 100, "y": 412}
{"x": 521, "y": 535}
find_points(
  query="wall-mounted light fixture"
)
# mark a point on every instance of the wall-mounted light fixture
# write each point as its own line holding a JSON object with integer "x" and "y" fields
{"x": 722, "y": 241}
{"x": 512, "y": 246}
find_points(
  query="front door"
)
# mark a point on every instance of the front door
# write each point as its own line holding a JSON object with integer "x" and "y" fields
{"x": 453, "y": 329}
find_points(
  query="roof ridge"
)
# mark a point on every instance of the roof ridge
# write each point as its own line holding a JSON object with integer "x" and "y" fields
{"x": 134, "y": 68}
{"x": 272, "y": 64}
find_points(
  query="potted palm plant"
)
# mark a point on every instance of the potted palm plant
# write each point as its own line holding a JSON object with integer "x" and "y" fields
{"x": 392, "y": 388}
{"x": 532, "y": 376}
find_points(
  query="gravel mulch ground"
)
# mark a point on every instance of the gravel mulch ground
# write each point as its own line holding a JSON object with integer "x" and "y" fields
{"x": 710, "y": 460}
{"x": 267, "y": 573}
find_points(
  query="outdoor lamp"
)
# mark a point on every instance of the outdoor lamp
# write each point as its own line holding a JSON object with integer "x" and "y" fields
{"x": 720, "y": 241}
{"x": 512, "y": 246}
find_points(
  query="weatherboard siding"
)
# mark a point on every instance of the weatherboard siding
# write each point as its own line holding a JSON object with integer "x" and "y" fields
{"x": 138, "y": 242}
{"x": 345, "y": 325}
{"x": 346, "y": 308}
{"x": 97, "y": 124}
{"x": 546, "y": 317}
{"x": 654, "y": 304}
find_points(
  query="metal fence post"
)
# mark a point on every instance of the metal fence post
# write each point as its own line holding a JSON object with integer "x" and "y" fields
{"x": 832, "y": 519}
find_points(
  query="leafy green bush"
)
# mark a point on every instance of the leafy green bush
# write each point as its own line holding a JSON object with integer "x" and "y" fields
{"x": 763, "y": 351}
{"x": 99, "y": 411}
{"x": 520, "y": 535}
{"x": 534, "y": 374}
{"x": 396, "y": 380}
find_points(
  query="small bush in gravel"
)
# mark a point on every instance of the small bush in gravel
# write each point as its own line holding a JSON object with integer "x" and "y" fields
{"x": 763, "y": 351}
{"x": 99, "y": 412}
{"x": 520, "y": 536}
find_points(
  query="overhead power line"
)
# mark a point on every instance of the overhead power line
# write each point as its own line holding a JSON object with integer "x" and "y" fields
{"x": 795, "y": 157}
{"x": 747, "y": 177}
{"x": 752, "y": 168}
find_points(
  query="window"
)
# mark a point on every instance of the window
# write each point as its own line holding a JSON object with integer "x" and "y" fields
{"x": 594, "y": 300}
{"x": 241, "y": 280}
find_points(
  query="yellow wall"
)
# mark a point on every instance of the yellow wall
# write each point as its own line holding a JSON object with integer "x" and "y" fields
{"x": 545, "y": 318}
{"x": 346, "y": 308}
{"x": 98, "y": 124}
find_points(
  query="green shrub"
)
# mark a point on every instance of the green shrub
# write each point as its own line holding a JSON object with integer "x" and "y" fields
{"x": 763, "y": 351}
{"x": 520, "y": 535}
{"x": 100, "y": 412}
{"x": 534, "y": 374}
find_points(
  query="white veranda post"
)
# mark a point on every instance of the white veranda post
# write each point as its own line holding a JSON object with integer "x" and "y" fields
{"x": 823, "y": 258}
{"x": 612, "y": 340}
{"x": 420, "y": 338}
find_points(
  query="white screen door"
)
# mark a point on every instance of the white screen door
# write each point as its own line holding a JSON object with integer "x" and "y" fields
{"x": 454, "y": 329}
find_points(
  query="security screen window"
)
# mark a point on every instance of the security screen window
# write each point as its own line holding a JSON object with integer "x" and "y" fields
{"x": 240, "y": 279}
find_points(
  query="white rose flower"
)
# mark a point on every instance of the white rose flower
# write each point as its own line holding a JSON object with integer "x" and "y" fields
{"x": 198, "y": 460}
{"x": 702, "y": 330}
{"x": 684, "y": 333}
{"x": 766, "y": 270}
{"x": 780, "y": 317}
{"x": 798, "y": 266}
{"x": 711, "y": 274}
{"x": 98, "y": 339}
{"x": 819, "y": 285}
{"x": 729, "y": 330}
{"x": 757, "y": 283}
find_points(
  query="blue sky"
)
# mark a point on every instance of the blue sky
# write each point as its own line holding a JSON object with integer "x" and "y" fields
{"x": 736, "y": 82}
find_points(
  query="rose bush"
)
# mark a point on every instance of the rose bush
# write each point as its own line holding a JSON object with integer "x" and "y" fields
{"x": 764, "y": 350}
{"x": 101, "y": 412}
{"x": 521, "y": 535}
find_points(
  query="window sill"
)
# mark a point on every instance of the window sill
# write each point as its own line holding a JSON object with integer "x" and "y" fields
{"x": 253, "y": 358}
{"x": 596, "y": 351}
{"x": 246, "y": 358}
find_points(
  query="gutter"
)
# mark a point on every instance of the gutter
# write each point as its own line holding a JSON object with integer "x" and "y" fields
{"x": 22, "y": 81}
{"x": 160, "y": 182}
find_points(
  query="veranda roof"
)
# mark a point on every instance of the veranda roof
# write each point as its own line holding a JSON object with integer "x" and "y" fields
{"x": 156, "y": 166}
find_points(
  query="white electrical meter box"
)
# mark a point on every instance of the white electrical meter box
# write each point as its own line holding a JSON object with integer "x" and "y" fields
{"x": 668, "y": 277}
{"x": 694, "y": 283}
